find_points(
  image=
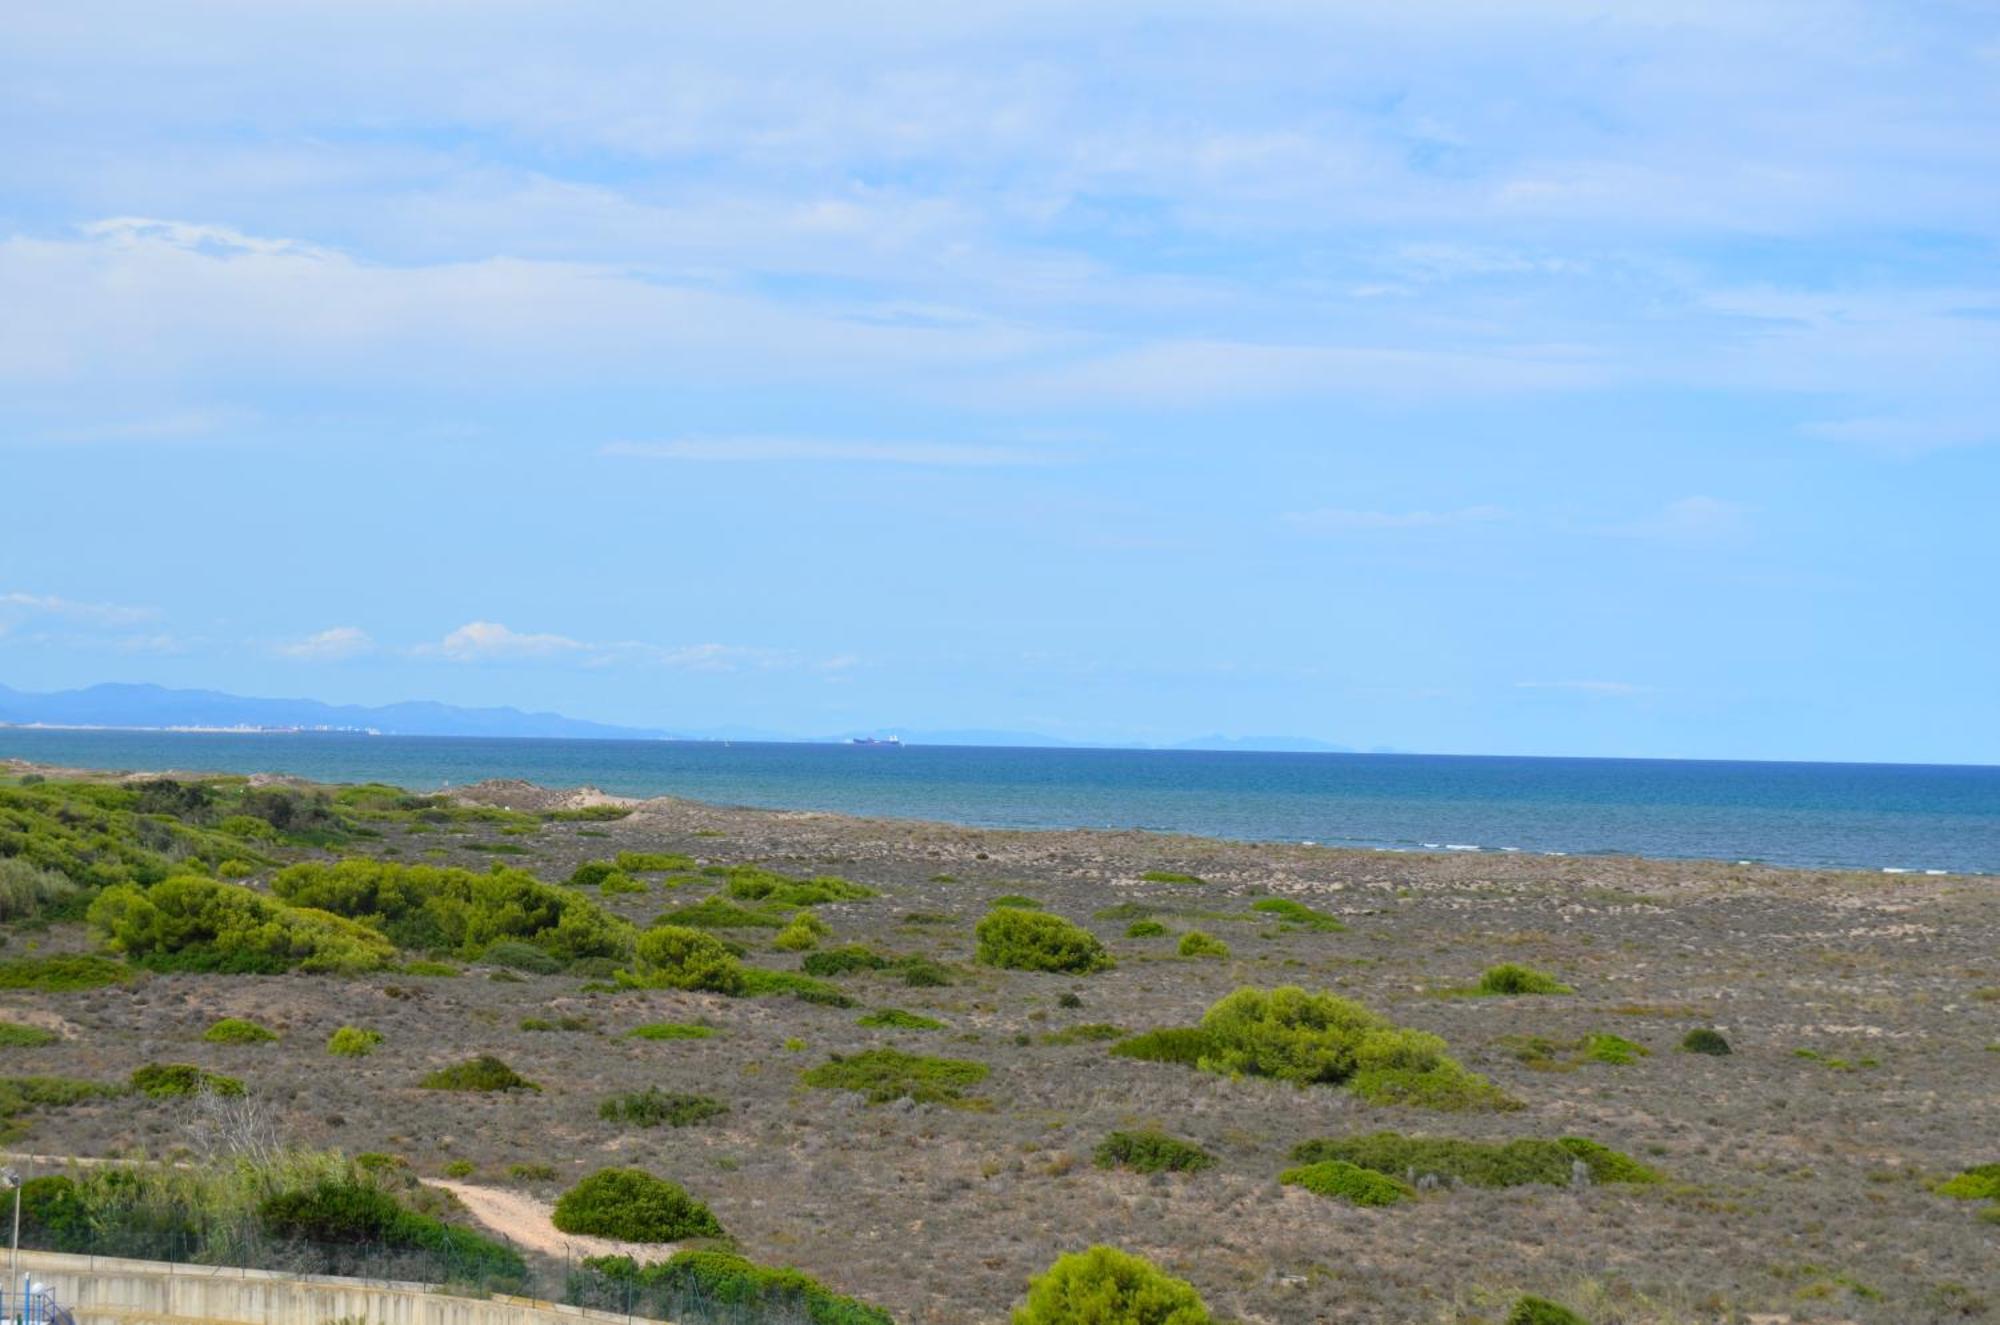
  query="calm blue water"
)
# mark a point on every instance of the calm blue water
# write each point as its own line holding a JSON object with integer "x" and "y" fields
{"x": 1869, "y": 816}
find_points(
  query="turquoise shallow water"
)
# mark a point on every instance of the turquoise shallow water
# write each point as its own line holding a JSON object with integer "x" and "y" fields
{"x": 1868, "y": 816}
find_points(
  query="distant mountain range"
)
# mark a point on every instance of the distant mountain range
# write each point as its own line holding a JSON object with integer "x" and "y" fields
{"x": 152, "y": 707}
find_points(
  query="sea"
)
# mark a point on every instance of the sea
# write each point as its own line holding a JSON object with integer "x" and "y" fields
{"x": 1896, "y": 818}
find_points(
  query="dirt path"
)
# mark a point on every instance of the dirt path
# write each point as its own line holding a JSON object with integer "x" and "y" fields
{"x": 523, "y": 1220}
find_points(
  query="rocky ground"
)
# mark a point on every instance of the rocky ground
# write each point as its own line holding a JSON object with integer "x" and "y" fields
{"x": 1798, "y": 1188}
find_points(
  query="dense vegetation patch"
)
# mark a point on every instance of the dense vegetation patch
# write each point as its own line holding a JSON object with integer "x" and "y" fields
{"x": 713, "y": 1288}
{"x": 1298, "y": 914}
{"x": 721, "y": 913}
{"x": 1979, "y": 1183}
{"x": 896, "y": 1019}
{"x": 162, "y": 1081}
{"x": 571, "y": 1022}
{"x": 677, "y": 957}
{"x": 1194, "y": 943}
{"x": 1106, "y": 1286}
{"x": 1170, "y": 876}
{"x": 633, "y": 1206}
{"x": 95, "y": 835}
{"x": 653, "y": 862}
{"x": 653, "y": 1107}
{"x": 889, "y": 1074}
{"x": 196, "y": 924}
{"x": 62, "y": 975}
{"x": 1551, "y": 1055}
{"x": 1705, "y": 1040}
{"x": 29, "y": 891}
{"x": 1016, "y": 900}
{"x": 516, "y": 955}
{"x": 1089, "y": 1032}
{"x": 1480, "y": 1163}
{"x": 1511, "y": 978}
{"x": 238, "y": 1030}
{"x": 353, "y": 1042}
{"x": 1183, "y": 1045}
{"x": 482, "y": 1073}
{"x": 1037, "y": 941}
{"x": 1151, "y": 1151}
{"x": 1145, "y": 929}
{"x": 14, "y": 1035}
{"x": 1540, "y": 1311}
{"x": 25, "y": 1095}
{"x": 801, "y": 933}
{"x": 670, "y": 1030}
{"x": 457, "y": 911}
{"x": 1343, "y": 1181}
{"x": 760, "y": 885}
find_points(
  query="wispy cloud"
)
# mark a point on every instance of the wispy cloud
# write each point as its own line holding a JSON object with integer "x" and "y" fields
{"x": 19, "y": 605}
{"x": 491, "y": 642}
{"x": 1337, "y": 520}
{"x": 754, "y": 450}
{"x": 334, "y": 644}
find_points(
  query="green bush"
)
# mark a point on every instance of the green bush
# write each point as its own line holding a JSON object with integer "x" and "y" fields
{"x": 1185, "y": 1045}
{"x": 353, "y": 1042}
{"x": 1037, "y": 941}
{"x": 1979, "y": 1183}
{"x": 802, "y": 934}
{"x": 691, "y": 1285}
{"x": 1480, "y": 1163}
{"x": 28, "y": 890}
{"x": 190, "y": 923}
{"x": 888, "y": 1074}
{"x": 720, "y": 913}
{"x": 591, "y": 873}
{"x": 653, "y": 1107}
{"x": 1145, "y": 929}
{"x": 1170, "y": 876}
{"x": 1348, "y": 1182}
{"x": 1106, "y": 1286}
{"x": 62, "y": 975}
{"x": 633, "y": 1206}
{"x": 571, "y": 1023}
{"x": 1513, "y": 978}
{"x": 670, "y": 1030}
{"x": 676, "y": 957}
{"x": 898, "y": 1020}
{"x": 1614, "y": 1049}
{"x": 758, "y": 982}
{"x": 1290, "y": 912}
{"x": 531, "y": 1172}
{"x": 518, "y": 956}
{"x": 162, "y": 1081}
{"x": 1151, "y": 1151}
{"x": 757, "y": 885}
{"x": 1287, "y": 1034}
{"x": 234, "y": 868}
{"x": 1705, "y": 1040}
{"x": 457, "y": 911}
{"x": 1541, "y": 1311}
{"x": 1090, "y": 1032}
{"x": 652, "y": 862}
{"x": 620, "y": 883}
{"x": 1397, "y": 1065}
{"x": 1194, "y": 943}
{"x": 923, "y": 973}
{"x": 14, "y": 1035}
{"x": 93, "y": 835}
{"x": 238, "y": 1030}
{"x": 483, "y": 1073}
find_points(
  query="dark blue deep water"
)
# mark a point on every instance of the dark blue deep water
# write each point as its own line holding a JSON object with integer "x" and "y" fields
{"x": 1868, "y": 816}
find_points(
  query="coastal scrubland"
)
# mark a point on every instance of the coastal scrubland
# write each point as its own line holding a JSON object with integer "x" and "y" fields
{"x": 851, "y": 1072}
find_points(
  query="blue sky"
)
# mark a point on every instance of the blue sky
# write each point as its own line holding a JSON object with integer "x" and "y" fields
{"x": 1529, "y": 378}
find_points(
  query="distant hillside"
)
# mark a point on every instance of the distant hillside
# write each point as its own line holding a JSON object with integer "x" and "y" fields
{"x": 157, "y": 706}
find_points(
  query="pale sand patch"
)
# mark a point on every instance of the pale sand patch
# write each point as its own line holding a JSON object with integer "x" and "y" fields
{"x": 525, "y": 1221}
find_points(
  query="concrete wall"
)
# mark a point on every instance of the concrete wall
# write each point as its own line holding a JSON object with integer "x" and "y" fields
{"x": 103, "y": 1291}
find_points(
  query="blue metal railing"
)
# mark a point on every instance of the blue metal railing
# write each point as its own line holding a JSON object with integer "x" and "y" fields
{"x": 28, "y": 1303}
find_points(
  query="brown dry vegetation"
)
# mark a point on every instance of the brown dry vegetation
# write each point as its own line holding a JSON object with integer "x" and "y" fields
{"x": 1791, "y": 1188}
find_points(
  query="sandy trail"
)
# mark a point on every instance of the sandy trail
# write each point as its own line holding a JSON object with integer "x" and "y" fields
{"x": 524, "y": 1221}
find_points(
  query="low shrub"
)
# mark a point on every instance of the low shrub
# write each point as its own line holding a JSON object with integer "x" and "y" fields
{"x": 1396, "y": 1065}
{"x": 1511, "y": 978}
{"x": 235, "y": 868}
{"x": 591, "y": 873}
{"x": 163, "y": 1081}
{"x": 633, "y": 1206}
{"x": 1347, "y": 1182}
{"x": 676, "y": 957}
{"x": 238, "y": 1030}
{"x": 199, "y": 924}
{"x": 14, "y": 1035}
{"x": 1541, "y": 1311}
{"x": 923, "y": 973}
{"x": 28, "y": 890}
{"x": 1106, "y": 1286}
{"x": 1185, "y": 1045}
{"x": 670, "y": 1030}
{"x": 1170, "y": 876}
{"x": 802, "y": 934}
{"x": 1705, "y": 1040}
{"x": 1298, "y": 914}
{"x": 772, "y": 888}
{"x": 1151, "y": 1151}
{"x": 653, "y": 1107}
{"x": 1549, "y": 1055}
{"x": 1614, "y": 1049}
{"x": 719, "y": 913}
{"x": 1037, "y": 941}
{"x": 889, "y": 1074}
{"x": 758, "y": 982}
{"x": 569, "y": 1023}
{"x": 353, "y": 1042}
{"x": 1090, "y": 1032}
{"x": 1514, "y": 1163}
{"x": 691, "y": 1285}
{"x": 899, "y": 1020}
{"x": 1194, "y": 943}
{"x": 1015, "y": 900}
{"x": 529, "y": 1171}
{"x": 483, "y": 1073}
{"x": 1980, "y": 1183}
{"x": 1145, "y": 929}
{"x": 653, "y": 862}
{"x": 620, "y": 883}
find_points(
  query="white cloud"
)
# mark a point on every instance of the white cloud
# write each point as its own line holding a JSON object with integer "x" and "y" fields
{"x": 19, "y": 605}
{"x": 1332, "y": 520}
{"x": 489, "y": 641}
{"x": 334, "y": 644}
{"x": 756, "y": 449}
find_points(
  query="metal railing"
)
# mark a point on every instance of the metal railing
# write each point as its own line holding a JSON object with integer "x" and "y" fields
{"x": 28, "y": 1303}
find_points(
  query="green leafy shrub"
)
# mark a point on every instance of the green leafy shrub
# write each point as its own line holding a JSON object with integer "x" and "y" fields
{"x": 569, "y": 1023}
{"x": 888, "y": 1074}
{"x": 633, "y": 1206}
{"x": 234, "y": 868}
{"x": 1090, "y": 1032}
{"x": 802, "y": 934}
{"x": 1194, "y": 943}
{"x": 652, "y": 862}
{"x": 1347, "y": 1182}
{"x": 670, "y": 1030}
{"x": 518, "y": 956}
{"x": 653, "y": 1107}
{"x": 190, "y": 923}
{"x": 28, "y": 890}
{"x": 1106, "y": 1286}
{"x": 899, "y": 1020}
{"x": 1015, "y": 900}
{"x": 93, "y": 835}
{"x": 483, "y": 1073}
{"x": 238, "y": 1030}
{"x": 1145, "y": 929}
{"x": 1184, "y": 1045}
{"x": 1979, "y": 1183}
{"x": 1396, "y": 1065}
{"x": 758, "y": 885}
{"x": 1614, "y": 1049}
{"x": 14, "y": 1035}
{"x": 1541, "y": 1311}
{"x": 720, "y": 913}
{"x": 1170, "y": 876}
{"x": 528, "y": 1171}
{"x": 353, "y": 1042}
{"x": 1510, "y": 978}
{"x": 453, "y": 910}
{"x": 1151, "y": 1151}
{"x": 676, "y": 957}
{"x": 1037, "y": 941}
{"x": 1705, "y": 1040}
{"x": 591, "y": 873}
{"x": 162, "y": 1081}
{"x": 691, "y": 1284}
{"x": 923, "y": 973}
{"x": 1480, "y": 1163}
{"x": 620, "y": 883}
{"x": 460, "y": 1168}
{"x": 758, "y": 982}
{"x": 1299, "y": 914}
